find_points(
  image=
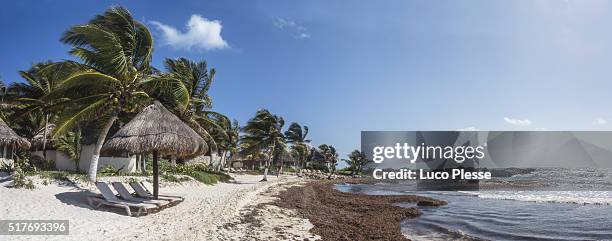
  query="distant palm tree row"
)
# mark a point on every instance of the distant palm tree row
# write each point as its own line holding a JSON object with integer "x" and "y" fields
{"x": 113, "y": 79}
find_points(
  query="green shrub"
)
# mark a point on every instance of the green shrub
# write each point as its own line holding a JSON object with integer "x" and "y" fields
{"x": 173, "y": 178}
{"x": 210, "y": 178}
{"x": 109, "y": 170}
{"x": 317, "y": 166}
{"x": 20, "y": 180}
{"x": 344, "y": 171}
{"x": 59, "y": 176}
{"x": 288, "y": 169}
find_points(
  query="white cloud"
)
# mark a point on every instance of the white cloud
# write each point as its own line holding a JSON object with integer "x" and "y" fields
{"x": 517, "y": 122}
{"x": 200, "y": 33}
{"x": 296, "y": 30}
{"x": 471, "y": 128}
{"x": 600, "y": 121}
{"x": 302, "y": 35}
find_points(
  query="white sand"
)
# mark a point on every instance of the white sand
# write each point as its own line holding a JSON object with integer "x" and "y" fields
{"x": 206, "y": 214}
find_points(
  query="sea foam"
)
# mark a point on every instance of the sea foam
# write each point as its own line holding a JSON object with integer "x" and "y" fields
{"x": 577, "y": 197}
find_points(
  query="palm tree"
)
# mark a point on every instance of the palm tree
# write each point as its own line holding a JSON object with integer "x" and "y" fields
{"x": 296, "y": 135}
{"x": 72, "y": 146}
{"x": 264, "y": 133}
{"x": 115, "y": 52}
{"x": 40, "y": 80}
{"x": 331, "y": 157}
{"x": 191, "y": 81}
{"x": 195, "y": 78}
{"x": 357, "y": 161}
{"x": 228, "y": 141}
{"x": 3, "y": 90}
{"x": 300, "y": 152}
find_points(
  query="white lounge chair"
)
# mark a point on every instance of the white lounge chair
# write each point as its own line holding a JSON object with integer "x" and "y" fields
{"x": 108, "y": 198}
{"x": 126, "y": 195}
{"x": 142, "y": 192}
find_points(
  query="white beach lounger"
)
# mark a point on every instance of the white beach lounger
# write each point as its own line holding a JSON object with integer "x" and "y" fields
{"x": 126, "y": 195}
{"x": 143, "y": 193}
{"x": 108, "y": 198}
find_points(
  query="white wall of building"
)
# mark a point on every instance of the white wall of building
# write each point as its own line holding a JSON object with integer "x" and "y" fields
{"x": 63, "y": 162}
{"x": 205, "y": 159}
{"x": 128, "y": 164}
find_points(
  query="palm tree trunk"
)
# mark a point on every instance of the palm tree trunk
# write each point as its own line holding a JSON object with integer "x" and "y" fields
{"x": 265, "y": 176}
{"x": 224, "y": 161}
{"x": 280, "y": 169}
{"x": 301, "y": 166}
{"x": 270, "y": 159}
{"x": 93, "y": 165}
{"x": 333, "y": 168}
{"x": 45, "y": 136}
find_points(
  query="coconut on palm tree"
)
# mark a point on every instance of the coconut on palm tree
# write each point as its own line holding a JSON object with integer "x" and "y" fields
{"x": 264, "y": 133}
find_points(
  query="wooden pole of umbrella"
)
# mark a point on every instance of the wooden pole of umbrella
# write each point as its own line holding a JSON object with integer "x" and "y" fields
{"x": 156, "y": 130}
{"x": 155, "y": 175}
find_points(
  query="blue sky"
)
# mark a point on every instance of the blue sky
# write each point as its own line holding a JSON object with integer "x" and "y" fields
{"x": 345, "y": 66}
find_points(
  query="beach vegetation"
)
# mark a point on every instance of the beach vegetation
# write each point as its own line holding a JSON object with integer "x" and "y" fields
{"x": 183, "y": 88}
{"x": 110, "y": 170}
{"x": 199, "y": 172}
{"x": 300, "y": 149}
{"x": 72, "y": 145}
{"x": 20, "y": 180}
{"x": 264, "y": 133}
{"x": 227, "y": 139}
{"x": 114, "y": 52}
{"x": 357, "y": 162}
{"x": 317, "y": 166}
{"x": 330, "y": 156}
{"x": 33, "y": 114}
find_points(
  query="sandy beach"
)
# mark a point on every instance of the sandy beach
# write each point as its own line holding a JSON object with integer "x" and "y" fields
{"x": 225, "y": 211}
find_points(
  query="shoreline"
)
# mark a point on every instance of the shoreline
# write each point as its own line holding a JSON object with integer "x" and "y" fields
{"x": 346, "y": 216}
{"x": 285, "y": 208}
{"x": 204, "y": 215}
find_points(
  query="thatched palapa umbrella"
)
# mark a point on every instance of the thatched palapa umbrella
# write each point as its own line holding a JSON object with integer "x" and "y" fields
{"x": 9, "y": 138}
{"x": 156, "y": 130}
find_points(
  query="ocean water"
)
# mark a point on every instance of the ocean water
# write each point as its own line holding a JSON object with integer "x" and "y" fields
{"x": 557, "y": 214}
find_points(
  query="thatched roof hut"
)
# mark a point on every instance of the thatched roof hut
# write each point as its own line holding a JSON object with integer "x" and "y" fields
{"x": 156, "y": 129}
{"x": 8, "y": 137}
